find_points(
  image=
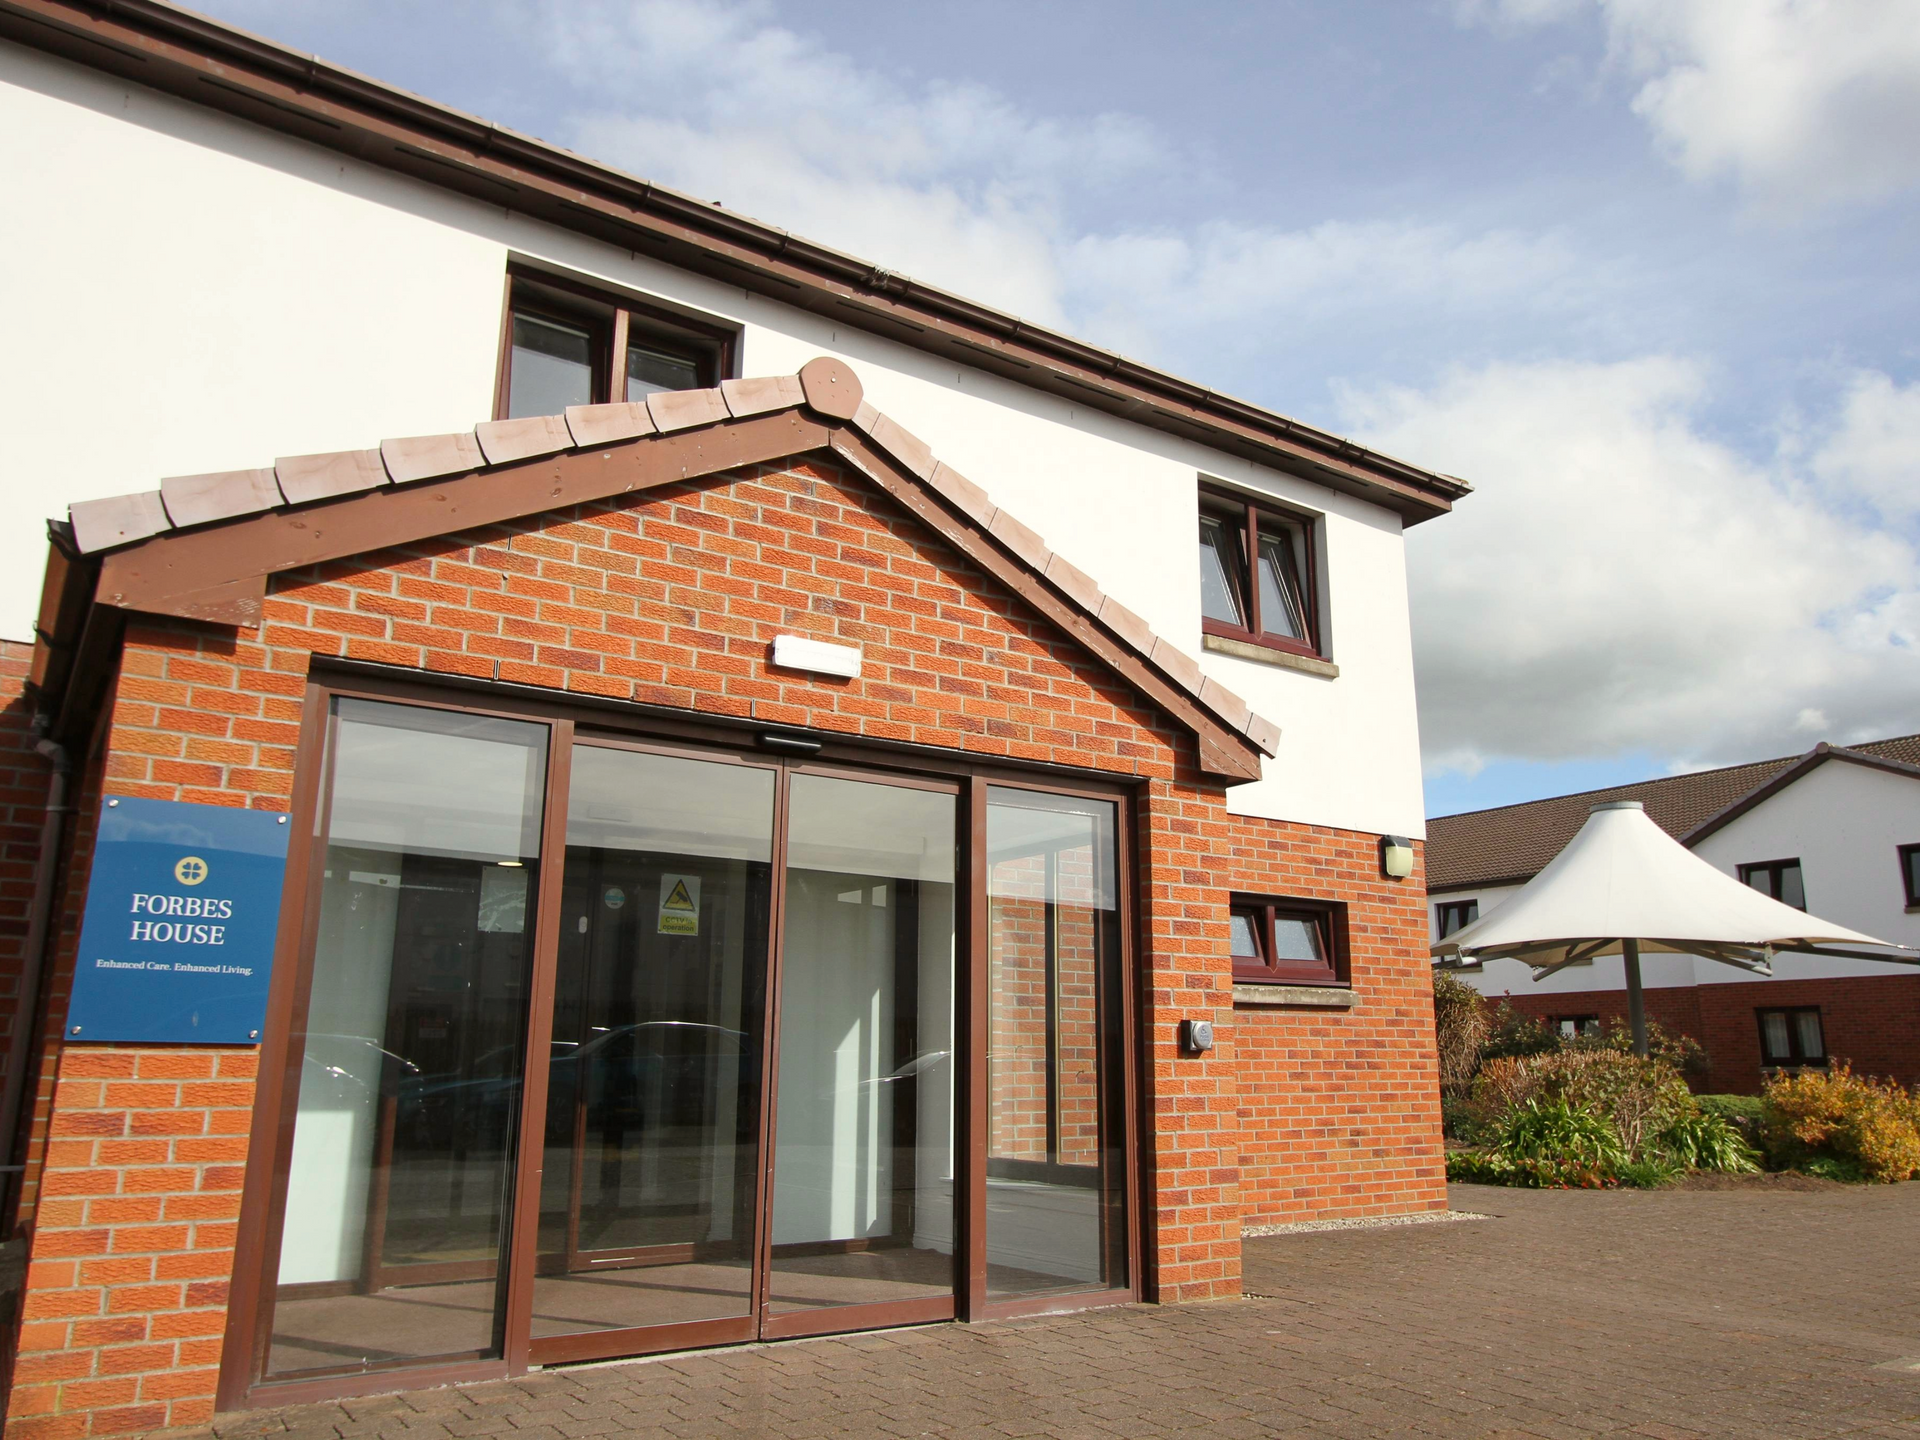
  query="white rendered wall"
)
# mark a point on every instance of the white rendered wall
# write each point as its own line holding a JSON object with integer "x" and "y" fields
{"x": 191, "y": 294}
{"x": 1843, "y": 822}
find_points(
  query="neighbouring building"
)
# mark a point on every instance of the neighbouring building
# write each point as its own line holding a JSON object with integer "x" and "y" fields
{"x": 1835, "y": 831}
{"x": 590, "y": 821}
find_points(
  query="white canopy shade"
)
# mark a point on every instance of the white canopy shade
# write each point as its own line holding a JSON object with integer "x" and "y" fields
{"x": 1623, "y": 879}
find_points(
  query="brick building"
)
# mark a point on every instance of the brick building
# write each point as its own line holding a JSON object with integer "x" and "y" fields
{"x": 1835, "y": 831}
{"x": 679, "y": 861}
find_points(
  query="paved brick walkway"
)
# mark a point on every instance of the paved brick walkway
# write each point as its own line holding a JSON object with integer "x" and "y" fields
{"x": 1664, "y": 1315}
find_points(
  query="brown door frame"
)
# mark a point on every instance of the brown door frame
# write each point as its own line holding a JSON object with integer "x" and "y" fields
{"x": 243, "y": 1383}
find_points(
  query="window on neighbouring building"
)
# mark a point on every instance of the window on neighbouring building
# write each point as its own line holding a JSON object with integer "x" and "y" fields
{"x": 1792, "y": 1037}
{"x": 1778, "y": 878}
{"x": 570, "y": 346}
{"x": 1456, "y": 915}
{"x": 1257, "y": 580}
{"x": 1289, "y": 942}
{"x": 1571, "y": 1027}
{"x": 1910, "y": 873}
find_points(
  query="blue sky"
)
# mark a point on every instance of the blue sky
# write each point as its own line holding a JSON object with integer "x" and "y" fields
{"x": 1642, "y": 270}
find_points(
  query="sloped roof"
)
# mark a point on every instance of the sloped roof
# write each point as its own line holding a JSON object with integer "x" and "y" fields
{"x": 218, "y": 66}
{"x": 203, "y": 546}
{"x": 1511, "y": 843}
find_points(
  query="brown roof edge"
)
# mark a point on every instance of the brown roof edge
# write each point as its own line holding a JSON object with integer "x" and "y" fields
{"x": 226, "y": 69}
{"x": 1808, "y": 762}
{"x": 216, "y": 569}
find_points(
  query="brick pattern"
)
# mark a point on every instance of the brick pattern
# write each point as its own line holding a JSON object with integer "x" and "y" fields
{"x": 669, "y": 600}
{"x": 1339, "y": 1110}
{"x": 133, "y": 1241}
{"x": 1870, "y": 1021}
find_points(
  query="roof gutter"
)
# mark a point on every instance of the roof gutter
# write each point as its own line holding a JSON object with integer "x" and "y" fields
{"x": 172, "y": 50}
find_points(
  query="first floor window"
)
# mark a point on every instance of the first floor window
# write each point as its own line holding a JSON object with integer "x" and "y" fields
{"x": 1257, "y": 575}
{"x": 571, "y": 346}
{"x": 1910, "y": 873}
{"x": 1456, "y": 915}
{"x": 1779, "y": 879}
{"x": 1297, "y": 942}
{"x": 1571, "y": 1027}
{"x": 1792, "y": 1037}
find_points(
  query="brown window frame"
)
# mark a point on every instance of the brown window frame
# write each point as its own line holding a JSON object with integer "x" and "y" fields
{"x": 1909, "y": 874}
{"x": 1329, "y": 918}
{"x": 1774, "y": 870}
{"x": 1242, "y": 517}
{"x": 614, "y": 323}
{"x": 1441, "y": 909}
{"x": 243, "y": 1382}
{"x": 1796, "y": 1058}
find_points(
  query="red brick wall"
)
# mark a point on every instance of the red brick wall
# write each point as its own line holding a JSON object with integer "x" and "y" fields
{"x": 1340, "y": 1110}
{"x": 1870, "y": 1021}
{"x": 673, "y": 601}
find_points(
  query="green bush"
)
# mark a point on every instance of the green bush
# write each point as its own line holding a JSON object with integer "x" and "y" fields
{"x": 1648, "y": 1174}
{"x": 1738, "y": 1108}
{"x": 1639, "y": 1098}
{"x": 1684, "y": 1053}
{"x": 1459, "y": 1028}
{"x": 1842, "y": 1122}
{"x": 1705, "y": 1141}
{"x": 1511, "y": 1035}
{"x": 1551, "y": 1143}
{"x": 1478, "y": 1167}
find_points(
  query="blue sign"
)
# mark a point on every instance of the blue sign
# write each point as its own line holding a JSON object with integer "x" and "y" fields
{"x": 182, "y": 909}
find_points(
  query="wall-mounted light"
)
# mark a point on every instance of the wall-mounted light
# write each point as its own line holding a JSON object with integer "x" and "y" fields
{"x": 1396, "y": 856}
{"x": 797, "y": 652}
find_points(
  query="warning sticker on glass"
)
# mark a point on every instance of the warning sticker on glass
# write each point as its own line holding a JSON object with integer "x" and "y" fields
{"x": 679, "y": 904}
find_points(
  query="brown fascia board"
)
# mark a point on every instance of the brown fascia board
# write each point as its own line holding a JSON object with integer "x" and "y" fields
{"x": 1807, "y": 763}
{"x": 217, "y": 572}
{"x": 225, "y": 69}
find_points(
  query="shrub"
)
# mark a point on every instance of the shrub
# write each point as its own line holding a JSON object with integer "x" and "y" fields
{"x": 1478, "y": 1167}
{"x": 1740, "y": 1111}
{"x": 1684, "y": 1053}
{"x": 1649, "y": 1174}
{"x": 1704, "y": 1141}
{"x": 1513, "y": 1035}
{"x": 1459, "y": 1026}
{"x": 1639, "y": 1098}
{"x": 1841, "y": 1121}
{"x": 1554, "y": 1143}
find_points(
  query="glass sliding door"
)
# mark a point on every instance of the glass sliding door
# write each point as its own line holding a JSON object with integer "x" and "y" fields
{"x": 649, "y": 1206}
{"x": 1056, "y": 1168}
{"x": 863, "y": 1168}
{"x": 400, "y": 1184}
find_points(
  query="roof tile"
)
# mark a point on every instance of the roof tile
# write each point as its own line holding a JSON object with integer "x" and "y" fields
{"x": 1177, "y": 663}
{"x": 762, "y": 394}
{"x": 608, "y": 424}
{"x": 684, "y": 409}
{"x": 1264, "y": 733}
{"x": 1075, "y": 583}
{"x": 117, "y": 520}
{"x": 321, "y": 477}
{"x": 973, "y": 502}
{"x": 504, "y": 441}
{"x": 1023, "y": 542}
{"x": 427, "y": 457}
{"x": 832, "y": 389}
{"x": 1127, "y": 625}
{"x": 909, "y": 449}
{"x": 202, "y": 499}
{"x": 1224, "y": 703}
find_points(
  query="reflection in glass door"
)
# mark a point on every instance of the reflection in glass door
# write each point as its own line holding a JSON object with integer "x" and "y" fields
{"x": 863, "y": 1171}
{"x": 398, "y": 1194}
{"x": 1056, "y": 1175}
{"x": 648, "y": 1212}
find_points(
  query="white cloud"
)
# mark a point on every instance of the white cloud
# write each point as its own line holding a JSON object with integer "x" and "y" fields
{"x": 1620, "y": 581}
{"x": 1872, "y": 452}
{"x": 1804, "y": 103}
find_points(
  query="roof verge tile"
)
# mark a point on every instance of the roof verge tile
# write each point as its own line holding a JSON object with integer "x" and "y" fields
{"x": 321, "y": 477}
{"x": 504, "y": 441}
{"x": 427, "y": 457}
{"x": 202, "y": 499}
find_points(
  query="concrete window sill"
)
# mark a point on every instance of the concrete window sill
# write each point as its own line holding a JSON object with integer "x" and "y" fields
{"x": 1261, "y": 655}
{"x": 1319, "y": 997}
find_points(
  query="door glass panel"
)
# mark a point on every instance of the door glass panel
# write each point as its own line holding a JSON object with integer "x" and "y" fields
{"x": 653, "y": 1102}
{"x": 863, "y": 1165}
{"x": 1056, "y": 1187}
{"x": 403, "y": 1144}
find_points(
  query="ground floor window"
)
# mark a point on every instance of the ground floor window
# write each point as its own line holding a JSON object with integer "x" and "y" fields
{"x": 1571, "y": 1027}
{"x": 1792, "y": 1037}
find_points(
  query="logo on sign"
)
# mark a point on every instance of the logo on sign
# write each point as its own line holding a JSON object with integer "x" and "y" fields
{"x": 191, "y": 870}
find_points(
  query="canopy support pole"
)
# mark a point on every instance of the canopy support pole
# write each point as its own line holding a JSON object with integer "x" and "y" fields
{"x": 1636, "y": 1001}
